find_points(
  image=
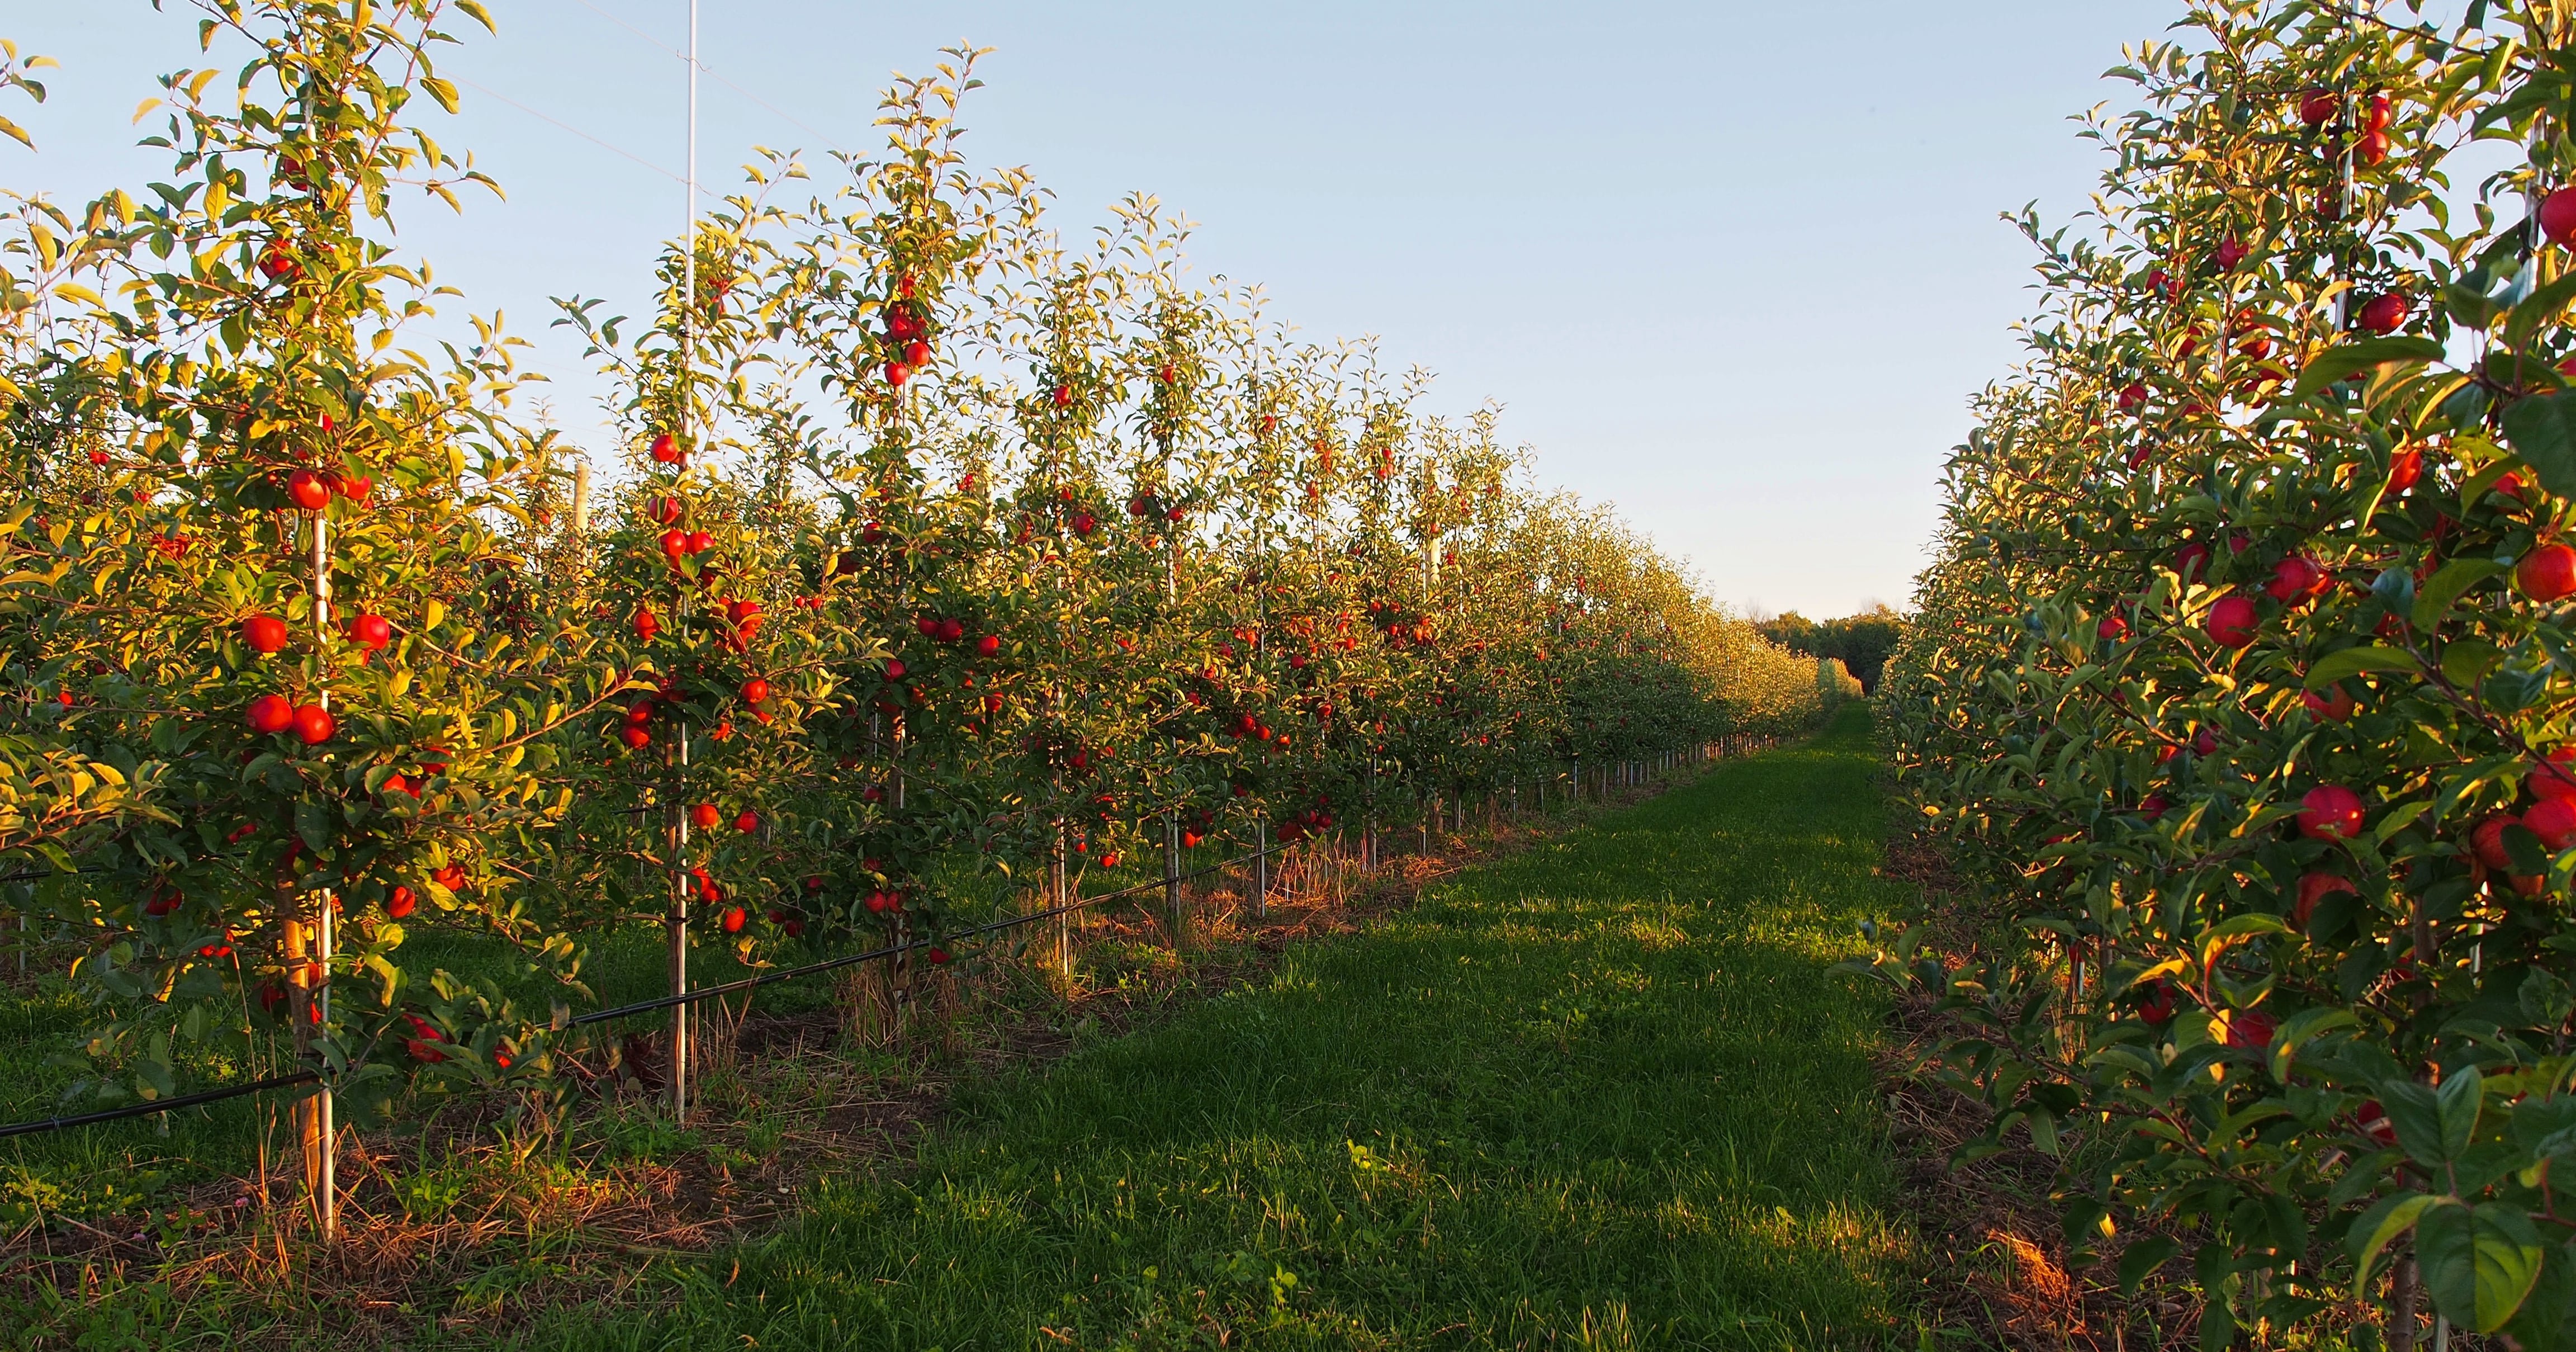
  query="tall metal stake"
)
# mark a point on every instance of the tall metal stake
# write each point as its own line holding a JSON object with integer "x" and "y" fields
{"x": 315, "y": 1128}
{"x": 679, "y": 922}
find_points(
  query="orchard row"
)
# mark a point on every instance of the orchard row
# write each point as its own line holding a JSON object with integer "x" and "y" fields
{"x": 939, "y": 554}
{"x": 2244, "y": 675}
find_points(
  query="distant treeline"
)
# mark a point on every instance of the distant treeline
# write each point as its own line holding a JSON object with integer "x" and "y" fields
{"x": 1862, "y": 641}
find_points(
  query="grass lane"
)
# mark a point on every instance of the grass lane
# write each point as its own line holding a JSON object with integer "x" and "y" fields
{"x": 1603, "y": 1094}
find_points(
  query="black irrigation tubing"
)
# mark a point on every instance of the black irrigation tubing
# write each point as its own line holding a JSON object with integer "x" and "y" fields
{"x": 640, "y": 1007}
{"x": 158, "y": 1105}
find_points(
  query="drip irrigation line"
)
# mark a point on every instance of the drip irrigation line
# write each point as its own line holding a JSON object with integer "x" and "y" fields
{"x": 158, "y": 1105}
{"x": 691, "y": 997}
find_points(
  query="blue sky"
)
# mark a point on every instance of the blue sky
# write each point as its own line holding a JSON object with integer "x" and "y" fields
{"x": 1726, "y": 266}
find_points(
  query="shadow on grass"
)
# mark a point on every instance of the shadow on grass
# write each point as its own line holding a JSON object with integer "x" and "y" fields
{"x": 1603, "y": 1095}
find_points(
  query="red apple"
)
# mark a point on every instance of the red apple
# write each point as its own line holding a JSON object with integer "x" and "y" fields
{"x": 2372, "y": 147}
{"x": 2112, "y": 629}
{"x": 2318, "y": 107}
{"x": 916, "y": 354}
{"x": 646, "y": 626}
{"x": 2192, "y": 561}
{"x": 308, "y": 490}
{"x": 675, "y": 542}
{"x": 897, "y": 373}
{"x": 371, "y": 631}
{"x": 2384, "y": 313}
{"x": 704, "y": 816}
{"x": 2556, "y": 776}
{"x": 271, "y": 713}
{"x": 2547, "y": 573}
{"x": 747, "y": 822}
{"x": 2250, "y": 1029}
{"x": 2297, "y": 580}
{"x": 2333, "y": 704}
{"x": 2487, "y": 842}
{"x": 951, "y": 630}
{"x": 732, "y": 920}
{"x": 666, "y": 449}
{"x": 314, "y": 724}
{"x": 1063, "y": 396}
{"x": 989, "y": 645}
{"x": 2330, "y": 812}
{"x": 2316, "y": 887}
{"x": 2558, "y": 215}
{"x": 755, "y": 691}
{"x": 2232, "y": 622}
{"x": 636, "y": 736}
{"x": 264, "y": 633}
{"x": 699, "y": 542}
{"x": 2554, "y": 821}
{"x": 2230, "y": 252}
{"x": 400, "y": 903}
{"x": 2153, "y": 807}
{"x": 2375, "y": 112}
{"x": 895, "y": 669}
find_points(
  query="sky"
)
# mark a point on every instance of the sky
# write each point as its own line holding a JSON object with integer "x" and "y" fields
{"x": 1732, "y": 270}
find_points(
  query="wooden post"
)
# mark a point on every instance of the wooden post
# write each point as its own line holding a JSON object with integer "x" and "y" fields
{"x": 1261, "y": 870}
{"x": 1174, "y": 916}
{"x": 1057, "y": 897}
{"x": 676, "y": 929}
{"x": 308, "y": 956}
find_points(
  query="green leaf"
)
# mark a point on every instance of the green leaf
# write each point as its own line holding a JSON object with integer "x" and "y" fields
{"x": 2477, "y": 1265}
{"x": 2349, "y": 359}
{"x": 2544, "y": 998}
{"x": 2544, "y": 305}
{"x": 2435, "y": 598}
{"x": 2395, "y": 589}
{"x": 2545, "y": 1127}
{"x": 2542, "y": 430}
{"x": 2457, "y": 1102}
{"x": 2386, "y": 1219}
{"x": 2336, "y": 666}
{"x": 2464, "y": 661}
{"x": 2302, "y": 1027}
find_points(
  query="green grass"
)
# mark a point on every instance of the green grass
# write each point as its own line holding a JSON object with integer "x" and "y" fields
{"x": 1604, "y": 1094}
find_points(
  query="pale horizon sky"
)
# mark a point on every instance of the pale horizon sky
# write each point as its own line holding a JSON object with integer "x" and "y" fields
{"x": 1731, "y": 271}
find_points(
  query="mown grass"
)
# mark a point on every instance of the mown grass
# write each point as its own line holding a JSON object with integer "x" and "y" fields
{"x": 1601, "y": 1095}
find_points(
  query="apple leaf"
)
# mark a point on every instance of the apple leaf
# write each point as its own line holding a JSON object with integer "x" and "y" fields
{"x": 2434, "y": 599}
{"x": 2349, "y": 359}
{"x": 2334, "y": 667}
{"x": 2542, "y": 430}
{"x": 2477, "y": 1264}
